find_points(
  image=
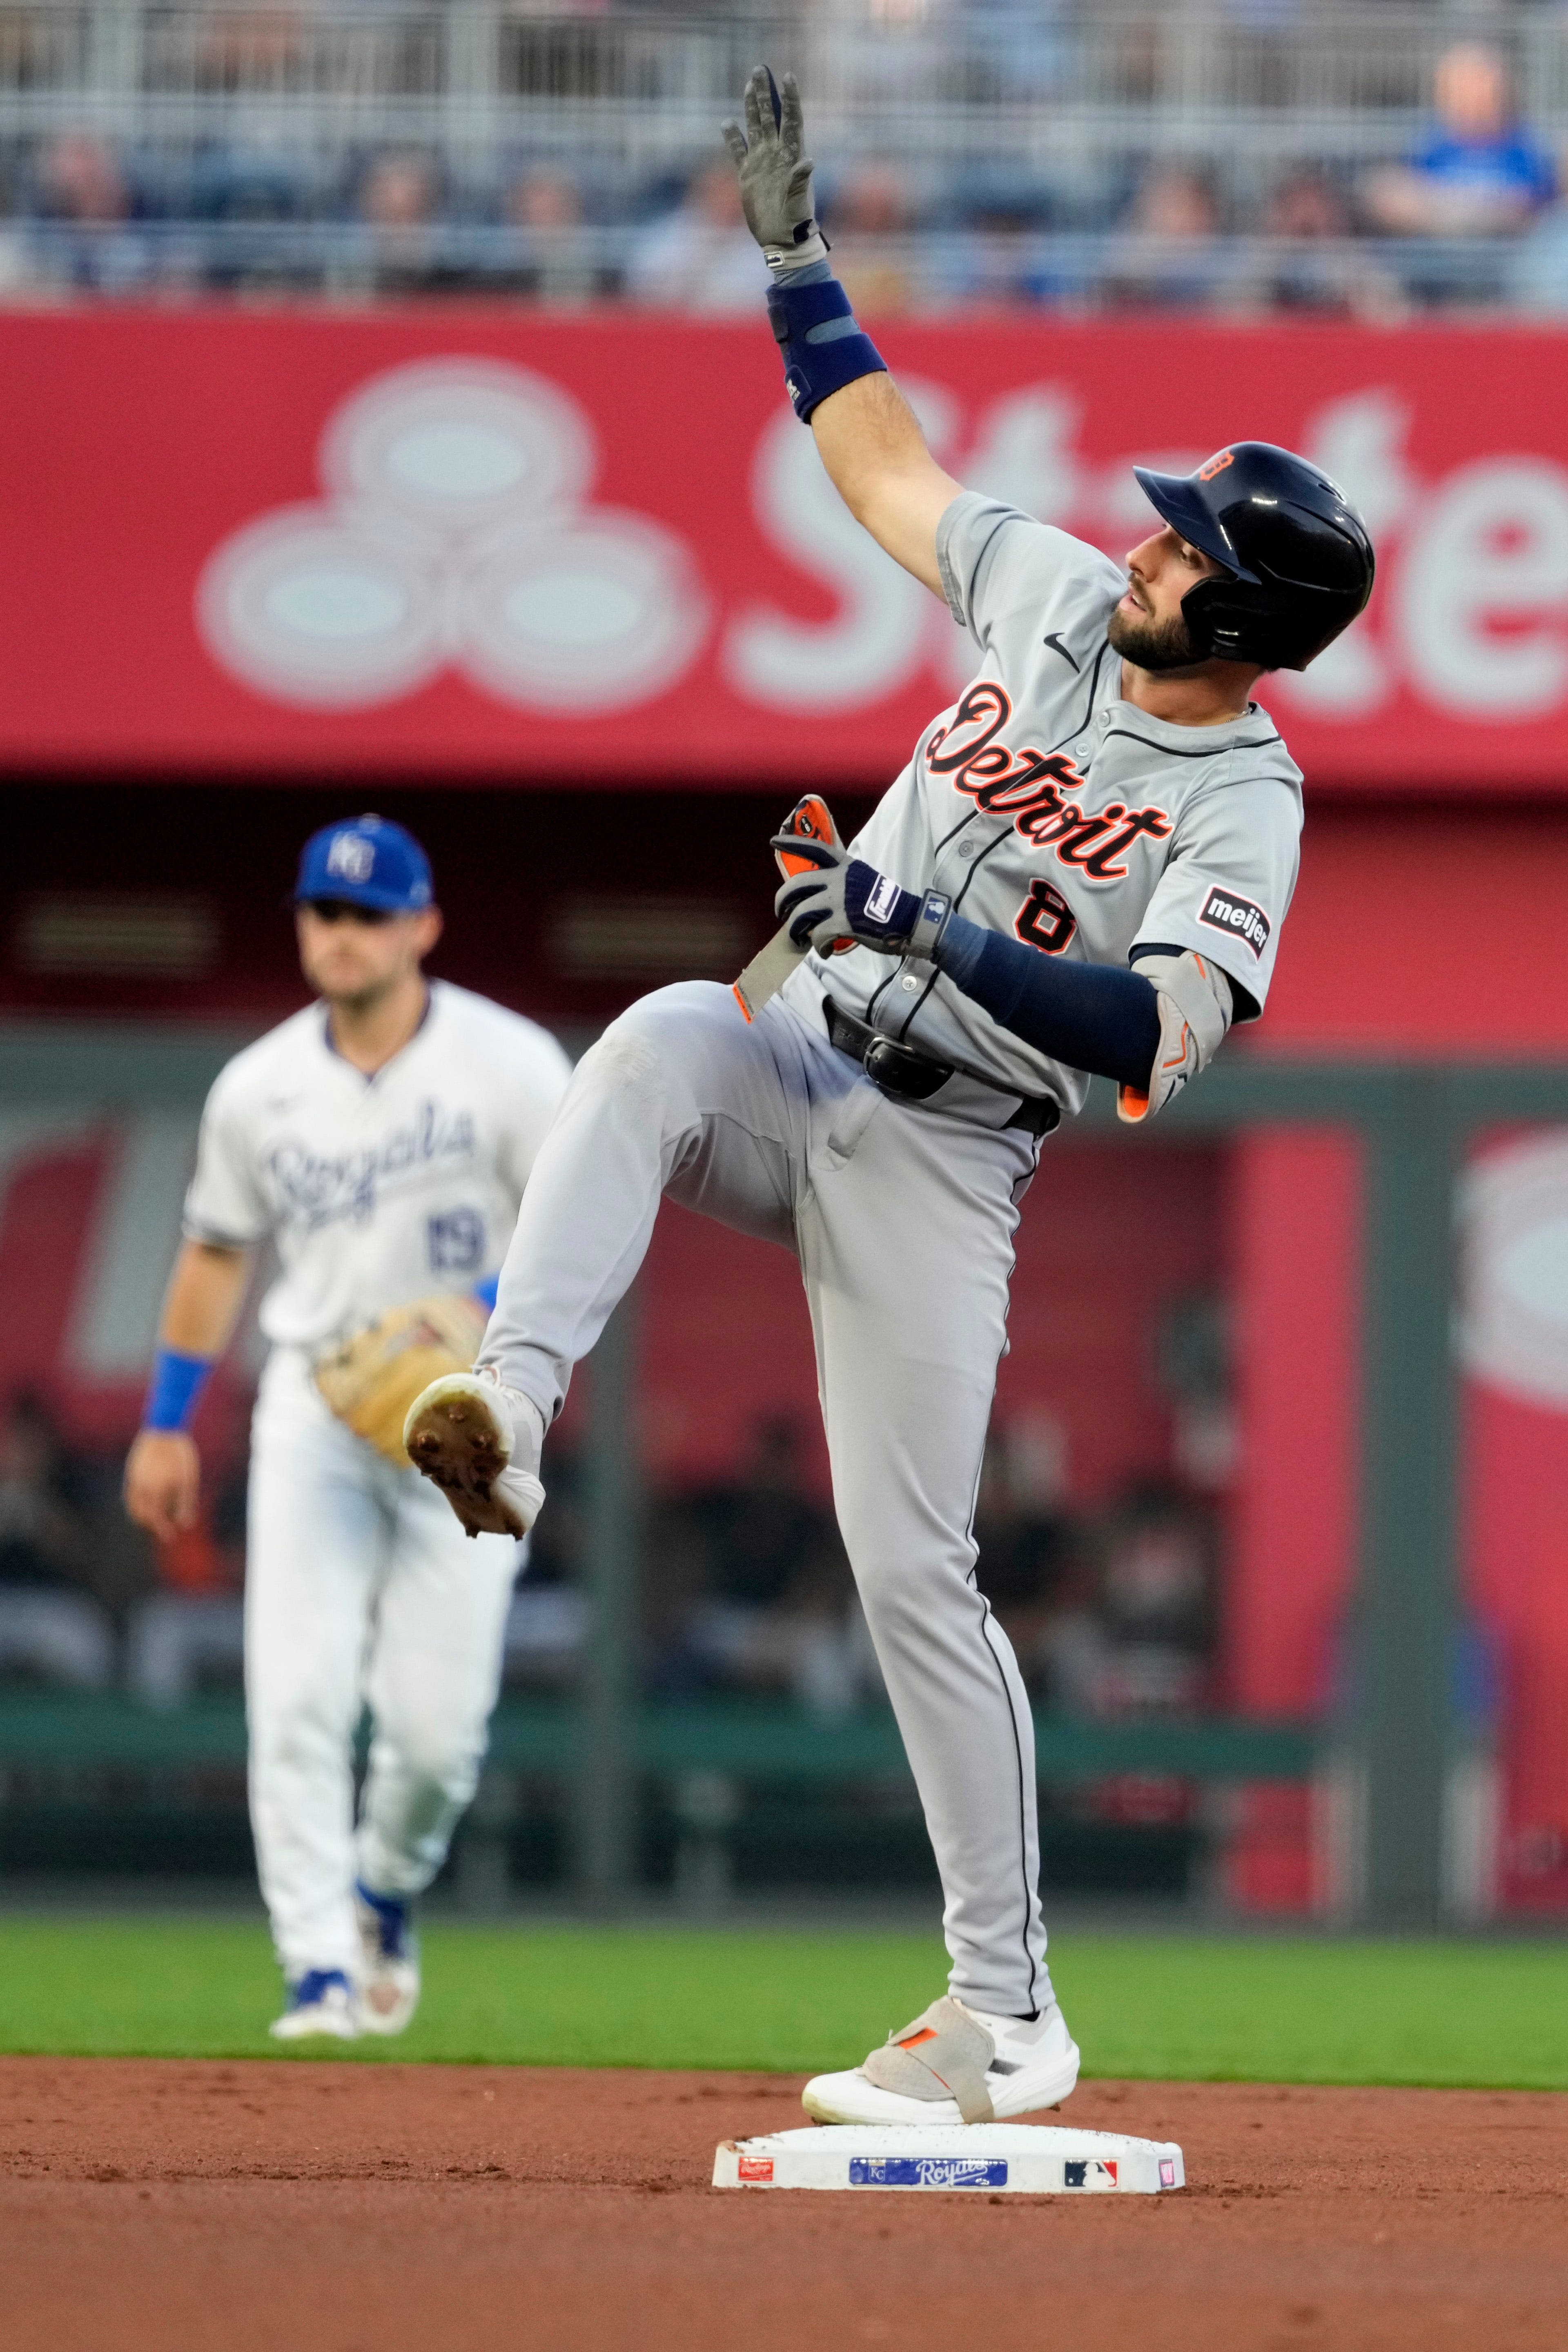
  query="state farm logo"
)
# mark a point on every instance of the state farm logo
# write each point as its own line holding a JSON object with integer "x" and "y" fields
{"x": 455, "y": 530}
{"x": 1238, "y": 916}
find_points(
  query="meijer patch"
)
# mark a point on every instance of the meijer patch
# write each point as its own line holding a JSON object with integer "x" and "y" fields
{"x": 1224, "y": 911}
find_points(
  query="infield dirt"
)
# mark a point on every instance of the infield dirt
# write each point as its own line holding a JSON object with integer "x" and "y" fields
{"x": 163, "y": 2205}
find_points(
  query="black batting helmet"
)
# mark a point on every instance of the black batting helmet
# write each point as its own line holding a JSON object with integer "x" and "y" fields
{"x": 1297, "y": 560}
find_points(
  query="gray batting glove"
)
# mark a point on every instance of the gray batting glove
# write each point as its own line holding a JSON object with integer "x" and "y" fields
{"x": 775, "y": 174}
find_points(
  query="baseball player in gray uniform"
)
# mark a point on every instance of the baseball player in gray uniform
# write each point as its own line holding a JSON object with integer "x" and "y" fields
{"x": 381, "y": 1138}
{"x": 1082, "y": 870}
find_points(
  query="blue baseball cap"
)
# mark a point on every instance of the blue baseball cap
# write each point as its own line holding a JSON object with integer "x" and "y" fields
{"x": 369, "y": 862}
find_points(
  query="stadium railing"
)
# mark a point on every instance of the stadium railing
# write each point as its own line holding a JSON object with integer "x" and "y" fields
{"x": 1068, "y": 95}
{"x": 1079, "y": 272}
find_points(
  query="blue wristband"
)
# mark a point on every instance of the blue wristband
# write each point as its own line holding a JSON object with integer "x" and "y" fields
{"x": 822, "y": 347}
{"x": 177, "y": 1382}
{"x": 485, "y": 1291}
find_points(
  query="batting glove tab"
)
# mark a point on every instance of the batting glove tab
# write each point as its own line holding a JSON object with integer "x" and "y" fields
{"x": 845, "y": 895}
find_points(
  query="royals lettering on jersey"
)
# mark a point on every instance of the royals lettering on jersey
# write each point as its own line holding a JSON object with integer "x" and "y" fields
{"x": 319, "y": 1190}
{"x": 1048, "y": 808}
{"x": 374, "y": 1189}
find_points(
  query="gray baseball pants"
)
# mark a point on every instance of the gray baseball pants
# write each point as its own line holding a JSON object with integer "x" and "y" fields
{"x": 903, "y": 1217}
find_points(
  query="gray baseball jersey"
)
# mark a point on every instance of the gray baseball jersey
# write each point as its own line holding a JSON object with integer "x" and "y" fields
{"x": 1049, "y": 809}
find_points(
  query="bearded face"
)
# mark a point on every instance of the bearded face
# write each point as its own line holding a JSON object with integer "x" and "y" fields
{"x": 1152, "y": 644}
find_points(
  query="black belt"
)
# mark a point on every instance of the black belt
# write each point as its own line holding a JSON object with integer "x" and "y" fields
{"x": 913, "y": 1077}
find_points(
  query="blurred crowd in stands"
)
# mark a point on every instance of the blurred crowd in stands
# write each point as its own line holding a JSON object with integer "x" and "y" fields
{"x": 1473, "y": 214}
{"x": 746, "y": 1587}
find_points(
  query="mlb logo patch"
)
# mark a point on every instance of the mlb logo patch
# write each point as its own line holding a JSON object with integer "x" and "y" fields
{"x": 1088, "y": 2172}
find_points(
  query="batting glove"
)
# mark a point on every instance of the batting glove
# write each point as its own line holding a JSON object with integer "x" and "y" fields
{"x": 776, "y": 174}
{"x": 845, "y": 895}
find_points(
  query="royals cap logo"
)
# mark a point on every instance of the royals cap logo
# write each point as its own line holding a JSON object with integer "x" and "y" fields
{"x": 352, "y": 857}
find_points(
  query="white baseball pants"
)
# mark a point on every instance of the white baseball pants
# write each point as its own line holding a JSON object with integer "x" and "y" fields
{"x": 360, "y": 1587}
{"x": 903, "y": 1217}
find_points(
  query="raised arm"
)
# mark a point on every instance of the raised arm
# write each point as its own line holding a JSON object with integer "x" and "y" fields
{"x": 878, "y": 461}
{"x": 866, "y": 431}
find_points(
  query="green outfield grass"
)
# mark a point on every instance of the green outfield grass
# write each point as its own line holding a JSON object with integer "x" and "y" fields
{"x": 1182, "y": 2006}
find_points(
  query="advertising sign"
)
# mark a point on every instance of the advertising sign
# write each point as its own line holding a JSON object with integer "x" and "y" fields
{"x": 476, "y": 544}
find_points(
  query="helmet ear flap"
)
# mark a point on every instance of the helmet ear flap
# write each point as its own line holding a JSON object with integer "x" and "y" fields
{"x": 1242, "y": 627}
{"x": 1197, "y": 612}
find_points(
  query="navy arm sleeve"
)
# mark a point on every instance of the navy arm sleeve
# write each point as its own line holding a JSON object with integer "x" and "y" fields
{"x": 1093, "y": 1017}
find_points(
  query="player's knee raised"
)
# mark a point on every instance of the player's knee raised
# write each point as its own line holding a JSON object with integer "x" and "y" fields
{"x": 638, "y": 1051}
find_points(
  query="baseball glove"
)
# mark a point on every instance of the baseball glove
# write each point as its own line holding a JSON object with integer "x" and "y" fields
{"x": 373, "y": 1379}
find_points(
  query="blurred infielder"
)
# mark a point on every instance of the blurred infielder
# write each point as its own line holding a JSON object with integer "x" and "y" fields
{"x": 381, "y": 1139}
{"x": 1083, "y": 870}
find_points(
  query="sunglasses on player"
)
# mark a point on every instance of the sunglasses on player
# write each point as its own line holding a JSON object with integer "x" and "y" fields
{"x": 346, "y": 910}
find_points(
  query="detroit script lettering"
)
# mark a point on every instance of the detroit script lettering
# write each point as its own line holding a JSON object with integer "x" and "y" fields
{"x": 1032, "y": 788}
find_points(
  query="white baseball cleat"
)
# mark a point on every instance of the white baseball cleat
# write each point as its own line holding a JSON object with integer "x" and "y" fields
{"x": 479, "y": 1441}
{"x": 389, "y": 1970}
{"x": 953, "y": 2064}
{"x": 320, "y": 2002}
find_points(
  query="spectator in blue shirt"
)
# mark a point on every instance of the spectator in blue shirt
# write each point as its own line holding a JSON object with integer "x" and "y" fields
{"x": 1478, "y": 173}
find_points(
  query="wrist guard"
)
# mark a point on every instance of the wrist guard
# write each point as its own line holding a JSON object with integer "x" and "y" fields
{"x": 821, "y": 343}
{"x": 891, "y": 920}
{"x": 925, "y": 933}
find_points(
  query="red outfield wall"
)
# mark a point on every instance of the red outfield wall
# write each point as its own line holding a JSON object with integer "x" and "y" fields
{"x": 466, "y": 543}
